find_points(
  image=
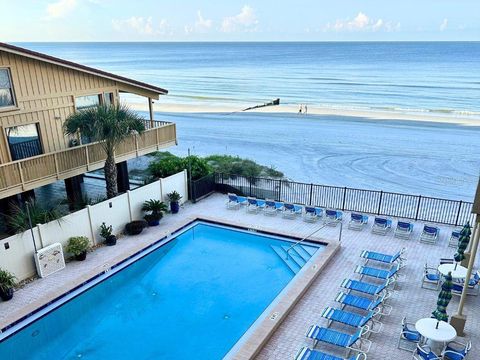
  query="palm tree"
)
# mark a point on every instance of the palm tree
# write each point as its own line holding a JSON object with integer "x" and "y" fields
{"x": 109, "y": 124}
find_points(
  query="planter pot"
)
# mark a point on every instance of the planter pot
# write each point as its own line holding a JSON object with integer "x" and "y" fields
{"x": 81, "y": 257}
{"x": 111, "y": 240}
{"x": 174, "y": 207}
{"x": 6, "y": 295}
{"x": 153, "y": 222}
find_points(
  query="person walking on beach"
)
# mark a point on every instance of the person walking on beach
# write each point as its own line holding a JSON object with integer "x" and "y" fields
{"x": 305, "y": 110}
{"x": 300, "y": 109}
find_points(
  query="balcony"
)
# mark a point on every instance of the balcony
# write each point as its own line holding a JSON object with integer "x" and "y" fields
{"x": 30, "y": 173}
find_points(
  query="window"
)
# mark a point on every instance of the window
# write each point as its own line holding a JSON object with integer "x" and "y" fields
{"x": 23, "y": 141}
{"x": 6, "y": 89}
{"x": 87, "y": 102}
{"x": 108, "y": 99}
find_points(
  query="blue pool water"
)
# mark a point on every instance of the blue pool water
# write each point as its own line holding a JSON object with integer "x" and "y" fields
{"x": 191, "y": 298}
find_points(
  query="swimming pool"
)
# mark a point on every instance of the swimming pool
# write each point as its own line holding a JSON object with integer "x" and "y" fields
{"x": 194, "y": 296}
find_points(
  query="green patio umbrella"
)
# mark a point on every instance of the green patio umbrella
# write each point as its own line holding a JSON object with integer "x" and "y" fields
{"x": 463, "y": 242}
{"x": 443, "y": 299}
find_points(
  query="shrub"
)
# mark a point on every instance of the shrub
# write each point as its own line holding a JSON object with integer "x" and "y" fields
{"x": 78, "y": 245}
{"x": 7, "y": 280}
{"x": 167, "y": 164}
{"x": 18, "y": 221}
{"x": 105, "y": 231}
{"x": 174, "y": 196}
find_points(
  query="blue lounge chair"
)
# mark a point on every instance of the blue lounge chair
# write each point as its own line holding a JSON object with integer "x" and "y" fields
{"x": 357, "y": 221}
{"x": 453, "y": 241}
{"x": 270, "y": 208}
{"x": 291, "y": 210}
{"x": 319, "y": 211}
{"x": 408, "y": 336}
{"x": 381, "y": 225}
{"x": 310, "y": 215}
{"x": 232, "y": 202}
{"x": 333, "y": 217}
{"x": 253, "y": 206}
{"x": 366, "y": 288}
{"x": 363, "y": 303}
{"x": 423, "y": 352}
{"x": 352, "y": 319}
{"x": 403, "y": 230}
{"x": 340, "y": 339}
{"x": 383, "y": 258}
{"x": 456, "y": 350}
{"x": 429, "y": 234}
{"x": 378, "y": 273}
{"x": 306, "y": 353}
{"x": 473, "y": 286}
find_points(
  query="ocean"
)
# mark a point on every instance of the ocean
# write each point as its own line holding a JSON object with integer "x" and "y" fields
{"x": 436, "y": 78}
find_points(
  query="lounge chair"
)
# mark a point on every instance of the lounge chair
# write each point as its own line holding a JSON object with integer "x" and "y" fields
{"x": 353, "y": 319}
{"x": 423, "y": 352}
{"x": 319, "y": 211}
{"x": 310, "y": 215}
{"x": 366, "y": 288}
{"x": 403, "y": 230}
{"x": 363, "y": 303}
{"x": 333, "y": 217}
{"x": 454, "y": 237}
{"x": 270, "y": 208}
{"x": 431, "y": 278}
{"x": 291, "y": 210}
{"x": 381, "y": 225}
{"x": 337, "y": 338}
{"x": 429, "y": 234}
{"x": 252, "y": 206}
{"x": 383, "y": 258}
{"x": 357, "y": 221}
{"x": 456, "y": 350}
{"x": 306, "y": 353}
{"x": 408, "y": 336}
{"x": 232, "y": 202}
{"x": 378, "y": 273}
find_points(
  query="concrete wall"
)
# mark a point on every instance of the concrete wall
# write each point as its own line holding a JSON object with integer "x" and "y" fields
{"x": 18, "y": 258}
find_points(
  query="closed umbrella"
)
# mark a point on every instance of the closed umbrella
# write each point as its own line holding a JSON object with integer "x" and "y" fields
{"x": 463, "y": 243}
{"x": 443, "y": 299}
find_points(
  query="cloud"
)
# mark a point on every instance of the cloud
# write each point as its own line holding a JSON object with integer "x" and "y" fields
{"x": 443, "y": 25}
{"x": 145, "y": 26}
{"x": 61, "y": 8}
{"x": 245, "y": 21}
{"x": 201, "y": 25}
{"x": 362, "y": 22}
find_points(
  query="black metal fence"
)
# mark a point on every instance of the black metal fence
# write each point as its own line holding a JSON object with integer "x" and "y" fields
{"x": 416, "y": 207}
{"x": 25, "y": 149}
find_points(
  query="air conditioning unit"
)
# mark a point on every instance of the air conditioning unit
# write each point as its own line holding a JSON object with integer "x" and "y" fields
{"x": 49, "y": 260}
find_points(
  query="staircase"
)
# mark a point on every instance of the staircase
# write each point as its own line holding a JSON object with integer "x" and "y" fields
{"x": 297, "y": 257}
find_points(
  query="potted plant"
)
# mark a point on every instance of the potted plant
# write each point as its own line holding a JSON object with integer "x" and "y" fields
{"x": 106, "y": 233}
{"x": 135, "y": 227}
{"x": 78, "y": 246}
{"x": 174, "y": 197}
{"x": 7, "y": 283}
{"x": 155, "y": 210}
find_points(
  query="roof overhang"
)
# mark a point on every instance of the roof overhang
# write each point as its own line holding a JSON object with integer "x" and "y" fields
{"x": 125, "y": 84}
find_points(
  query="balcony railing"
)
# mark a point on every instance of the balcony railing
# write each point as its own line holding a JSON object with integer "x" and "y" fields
{"x": 26, "y": 174}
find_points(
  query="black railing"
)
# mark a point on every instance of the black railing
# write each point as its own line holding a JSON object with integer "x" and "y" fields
{"x": 416, "y": 207}
{"x": 25, "y": 149}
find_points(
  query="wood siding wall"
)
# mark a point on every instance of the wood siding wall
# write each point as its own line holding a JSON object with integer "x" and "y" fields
{"x": 45, "y": 95}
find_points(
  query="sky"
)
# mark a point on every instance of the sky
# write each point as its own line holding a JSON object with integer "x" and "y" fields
{"x": 232, "y": 20}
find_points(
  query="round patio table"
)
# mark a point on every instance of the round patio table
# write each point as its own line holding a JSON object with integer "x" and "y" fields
{"x": 459, "y": 273}
{"x": 445, "y": 332}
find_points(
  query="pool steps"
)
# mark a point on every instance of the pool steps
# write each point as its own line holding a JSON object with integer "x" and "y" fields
{"x": 298, "y": 256}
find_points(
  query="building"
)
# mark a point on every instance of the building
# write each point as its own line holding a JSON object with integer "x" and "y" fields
{"x": 37, "y": 93}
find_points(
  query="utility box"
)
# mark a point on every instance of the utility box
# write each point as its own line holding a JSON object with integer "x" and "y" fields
{"x": 49, "y": 260}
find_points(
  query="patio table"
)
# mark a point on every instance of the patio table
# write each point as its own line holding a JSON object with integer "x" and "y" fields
{"x": 459, "y": 273}
{"x": 438, "y": 337}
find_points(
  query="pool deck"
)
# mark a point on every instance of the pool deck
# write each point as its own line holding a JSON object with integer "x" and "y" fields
{"x": 408, "y": 300}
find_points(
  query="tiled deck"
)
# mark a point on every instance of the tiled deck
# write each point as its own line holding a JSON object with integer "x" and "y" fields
{"x": 409, "y": 299}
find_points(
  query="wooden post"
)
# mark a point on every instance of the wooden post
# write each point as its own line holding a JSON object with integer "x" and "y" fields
{"x": 150, "y": 109}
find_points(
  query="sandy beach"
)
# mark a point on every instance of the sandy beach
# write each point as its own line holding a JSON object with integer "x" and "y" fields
{"x": 312, "y": 110}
